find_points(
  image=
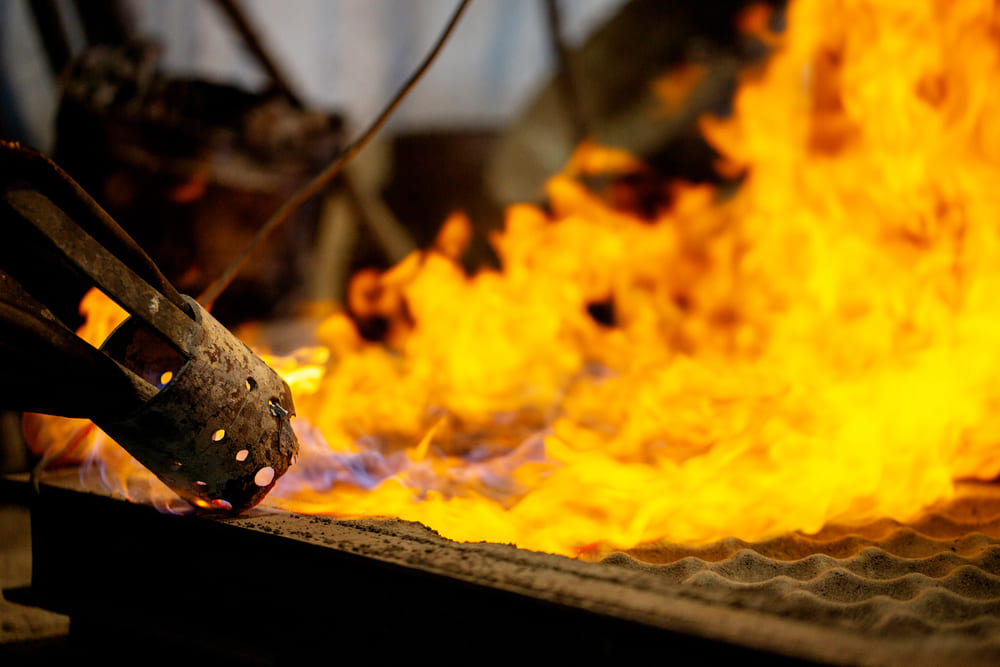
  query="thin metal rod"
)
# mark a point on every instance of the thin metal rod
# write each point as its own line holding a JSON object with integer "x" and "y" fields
{"x": 104, "y": 21}
{"x": 565, "y": 78}
{"x": 49, "y": 23}
{"x": 209, "y": 296}
{"x": 236, "y": 15}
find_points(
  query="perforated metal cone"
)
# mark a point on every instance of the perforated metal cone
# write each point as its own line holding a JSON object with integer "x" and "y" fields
{"x": 218, "y": 431}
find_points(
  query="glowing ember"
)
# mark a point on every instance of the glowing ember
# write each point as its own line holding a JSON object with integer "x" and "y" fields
{"x": 222, "y": 504}
{"x": 823, "y": 346}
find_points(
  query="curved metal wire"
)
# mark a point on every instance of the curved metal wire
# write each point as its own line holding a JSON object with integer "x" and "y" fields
{"x": 213, "y": 291}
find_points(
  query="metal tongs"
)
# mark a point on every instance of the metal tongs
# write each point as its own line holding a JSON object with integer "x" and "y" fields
{"x": 171, "y": 385}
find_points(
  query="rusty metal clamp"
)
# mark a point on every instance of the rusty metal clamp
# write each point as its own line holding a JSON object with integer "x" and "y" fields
{"x": 171, "y": 384}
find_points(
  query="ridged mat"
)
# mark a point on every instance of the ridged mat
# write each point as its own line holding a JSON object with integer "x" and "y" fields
{"x": 938, "y": 574}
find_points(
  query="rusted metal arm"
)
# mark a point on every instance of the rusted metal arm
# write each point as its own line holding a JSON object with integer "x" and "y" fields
{"x": 49, "y": 369}
{"x": 32, "y": 169}
{"x": 171, "y": 384}
{"x": 108, "y": 272}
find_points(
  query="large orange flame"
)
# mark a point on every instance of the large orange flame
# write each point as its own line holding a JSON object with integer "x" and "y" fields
{"x": 822, "y": 346}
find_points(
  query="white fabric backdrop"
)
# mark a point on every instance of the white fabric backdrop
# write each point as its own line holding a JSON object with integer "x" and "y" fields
{"x": 346, "y": 55}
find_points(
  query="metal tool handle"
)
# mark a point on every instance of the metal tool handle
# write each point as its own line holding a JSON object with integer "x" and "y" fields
{"x": 53, "y": 232}
{"x": 56, "y": 372}
{"x": 27, "y": 167}
{"x": 117, "y": 280}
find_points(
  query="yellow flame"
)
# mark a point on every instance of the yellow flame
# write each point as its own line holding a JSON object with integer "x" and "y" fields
{"x": 64, "y": 440}
{"x": 75, "y": 437}
{"x": 822, "y": 346}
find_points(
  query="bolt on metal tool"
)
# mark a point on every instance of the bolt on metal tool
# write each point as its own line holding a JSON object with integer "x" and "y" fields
{"x": 172, "y": 385}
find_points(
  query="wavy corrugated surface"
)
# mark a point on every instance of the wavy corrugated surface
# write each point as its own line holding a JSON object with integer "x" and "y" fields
{"x": 936, "y": 576}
